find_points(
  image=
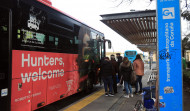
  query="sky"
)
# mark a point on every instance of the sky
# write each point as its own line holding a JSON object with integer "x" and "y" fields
{"x": 89, "y": 11}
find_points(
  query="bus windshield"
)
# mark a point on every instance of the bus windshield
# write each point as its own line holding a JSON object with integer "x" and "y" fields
{"x": 130, "y": 54}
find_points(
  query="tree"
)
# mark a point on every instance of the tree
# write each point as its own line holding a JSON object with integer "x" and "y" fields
{"x": 185, "y": 14}
{"x": 185, "y": 6}
{"x": 119, "y": 2}
{"x": 185, "y": 44}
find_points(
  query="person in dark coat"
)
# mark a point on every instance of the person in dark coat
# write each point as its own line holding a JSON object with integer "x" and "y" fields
{"x": 119, "y": 61}
{"x": 106, "y": 70}
{"x": 126, "y": 72}
{"x": 115, "y": 70}
{"x": 100, "y": 79}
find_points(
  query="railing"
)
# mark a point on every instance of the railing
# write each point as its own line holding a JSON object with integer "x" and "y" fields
{"x": 152, "y": 78}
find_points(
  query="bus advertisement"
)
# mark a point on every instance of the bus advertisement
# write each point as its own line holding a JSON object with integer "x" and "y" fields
{"x": 46, "y": 55}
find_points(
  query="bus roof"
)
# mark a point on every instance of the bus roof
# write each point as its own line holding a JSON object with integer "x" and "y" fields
{"x": 130, "y": 50}
{"x": 50, "y": 5}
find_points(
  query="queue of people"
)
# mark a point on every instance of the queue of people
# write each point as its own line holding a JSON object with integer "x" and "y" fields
{"x": 127, "y": 74}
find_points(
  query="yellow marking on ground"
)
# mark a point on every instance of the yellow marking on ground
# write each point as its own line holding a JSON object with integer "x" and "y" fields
{"x": 78, "y": 106}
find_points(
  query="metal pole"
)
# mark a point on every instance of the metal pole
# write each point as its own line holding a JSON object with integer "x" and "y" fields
{"x": 150, "y": 60}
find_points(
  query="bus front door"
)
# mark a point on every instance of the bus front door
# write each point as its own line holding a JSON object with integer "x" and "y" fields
{"x": 5, "y": 72}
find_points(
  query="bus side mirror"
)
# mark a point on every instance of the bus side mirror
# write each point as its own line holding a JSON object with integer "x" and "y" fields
{"x": 109, "y": 45}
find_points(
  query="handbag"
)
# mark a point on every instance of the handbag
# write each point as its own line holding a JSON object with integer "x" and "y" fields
{"x": 121, "y": 80}
{"x": 133, "y": 76}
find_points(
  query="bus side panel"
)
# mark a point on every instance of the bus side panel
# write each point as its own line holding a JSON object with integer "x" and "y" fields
{"x": 75, "y": 62}
{"x": 21, "y": 95}
{"x": 72, "y": 83}
{"x": 62, "y": 87}
{"x": 67, "y": 85}
{"x": 56, "y": 87}
{"x": 47, "y": 72}
{"x": 72, "y": 78}
{"x": 76, "y": 73}
{"x": 53, "y": 90}
{"x": 39, "y": 93}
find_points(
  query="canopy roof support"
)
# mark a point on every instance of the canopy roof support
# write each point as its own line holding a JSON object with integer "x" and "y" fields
{"x": 139, "y": 27}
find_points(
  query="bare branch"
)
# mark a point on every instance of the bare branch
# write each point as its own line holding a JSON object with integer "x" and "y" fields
{"x": 119, "y": 3}
{"x": 122, "y": 2}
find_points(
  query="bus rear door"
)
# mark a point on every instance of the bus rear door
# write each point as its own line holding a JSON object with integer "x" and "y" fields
{"x": 5, "y": 72}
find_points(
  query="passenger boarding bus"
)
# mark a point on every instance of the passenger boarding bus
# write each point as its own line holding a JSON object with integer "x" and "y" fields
{"x": 46, "y": 55}
{"x": 130, "y": 54}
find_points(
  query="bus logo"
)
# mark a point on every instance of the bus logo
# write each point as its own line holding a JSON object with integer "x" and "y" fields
{"x": 168, "y": 13}
{"x": 69, "y": 84}
{"x": 33, "y": 23}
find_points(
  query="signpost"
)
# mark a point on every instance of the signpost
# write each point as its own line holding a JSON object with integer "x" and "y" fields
{"x": 169, "y": 50}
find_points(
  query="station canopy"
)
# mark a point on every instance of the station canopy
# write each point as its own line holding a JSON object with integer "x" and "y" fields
{"x": 137, "y": 27}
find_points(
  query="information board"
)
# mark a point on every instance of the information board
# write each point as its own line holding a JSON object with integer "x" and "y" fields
{"x": 170, "y": 60}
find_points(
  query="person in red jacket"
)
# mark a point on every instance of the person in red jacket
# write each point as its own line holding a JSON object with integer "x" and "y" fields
{"x": 138, "y": 66}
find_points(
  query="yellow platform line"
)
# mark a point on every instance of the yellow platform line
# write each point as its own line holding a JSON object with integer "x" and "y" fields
{"x": 78, "y": 106}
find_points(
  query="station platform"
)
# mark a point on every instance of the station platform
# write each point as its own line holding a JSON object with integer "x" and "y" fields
{"x": 99, "y": 102}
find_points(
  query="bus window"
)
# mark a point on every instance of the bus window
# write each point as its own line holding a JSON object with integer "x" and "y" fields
{"x": 130, "y": 53}
{"x": 56, "y": 41}
{"x": 51, "y": 42}
{"x": 76, "y": 39}
{"x": 29, "y": 40}
{"x": 29, "y": 30}
{"x": 103, "y": 49}
{"x": 60, "y": 44}
{"x": 31, "y": 18}
{"x": 95, "y": 47}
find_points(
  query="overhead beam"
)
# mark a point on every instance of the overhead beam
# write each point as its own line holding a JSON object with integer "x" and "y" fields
{"x": 137, "y": 14}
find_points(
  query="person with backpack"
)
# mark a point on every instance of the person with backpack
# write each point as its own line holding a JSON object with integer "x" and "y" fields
{"x": 126, "y": 73}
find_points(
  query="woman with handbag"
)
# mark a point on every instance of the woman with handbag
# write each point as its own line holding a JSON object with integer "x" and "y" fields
{"x": 126, "y": 72}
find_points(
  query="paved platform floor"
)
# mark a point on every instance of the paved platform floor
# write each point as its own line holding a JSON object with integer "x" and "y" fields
{"x": 99, "y": 102}
{"x": 116, "y": 103}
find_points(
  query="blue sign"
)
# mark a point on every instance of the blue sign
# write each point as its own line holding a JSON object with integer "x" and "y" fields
{"x": 170, "y": 60}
